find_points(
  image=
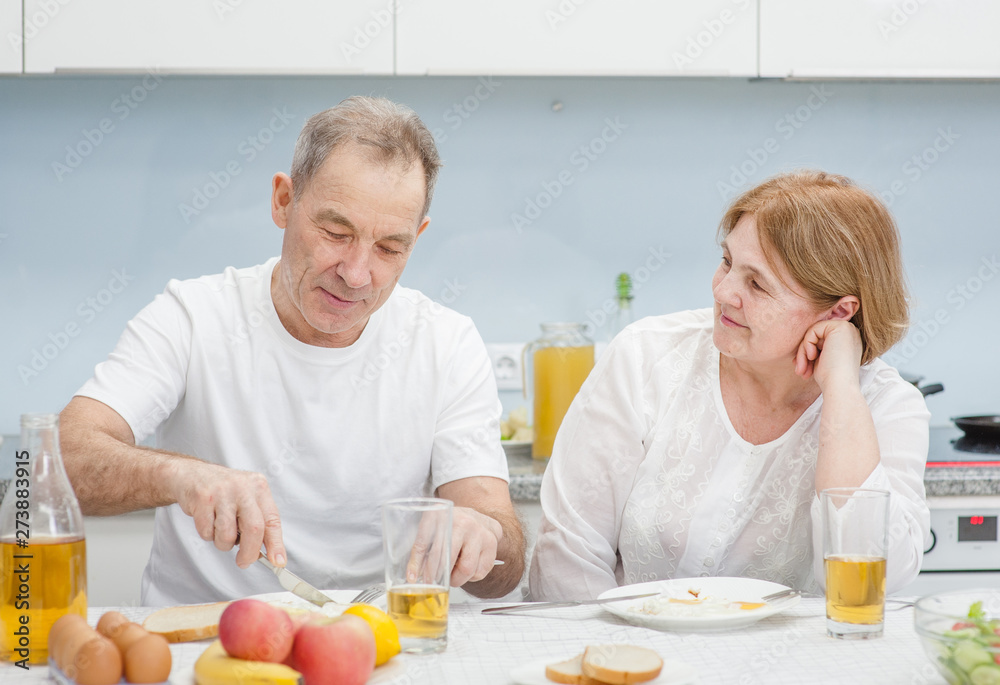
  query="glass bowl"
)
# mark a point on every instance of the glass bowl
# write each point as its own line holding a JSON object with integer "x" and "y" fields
{"x": 966, "y": 651}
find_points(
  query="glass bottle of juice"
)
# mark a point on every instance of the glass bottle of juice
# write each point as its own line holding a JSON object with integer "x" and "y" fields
{"x": 43, "y": 555}
{"x": 623, "y": 300}
{"x": 556, "y": 364}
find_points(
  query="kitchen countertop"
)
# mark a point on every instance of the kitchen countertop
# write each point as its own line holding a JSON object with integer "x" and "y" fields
{"x": 526, "y": 473}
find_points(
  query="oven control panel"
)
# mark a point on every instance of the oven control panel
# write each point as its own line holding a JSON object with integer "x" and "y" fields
{"x": 964, "y": 534}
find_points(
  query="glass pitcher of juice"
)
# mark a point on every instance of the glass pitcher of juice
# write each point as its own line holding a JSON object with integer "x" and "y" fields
{"x": 43, "y": 555}
{"x": 555, "y": 366}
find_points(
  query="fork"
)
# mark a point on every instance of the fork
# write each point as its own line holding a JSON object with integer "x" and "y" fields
{"x": 782, "y": 594}
{"x": 369, "y": 594}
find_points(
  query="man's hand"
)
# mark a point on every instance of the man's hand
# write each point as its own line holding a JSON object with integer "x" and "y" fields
{"x": 484, "y": 528}
{"x": 230, "y": 507}
{"x": 830, "y": 351}
{"x": 475, "y": 538}
{"x": 111, "y": 475}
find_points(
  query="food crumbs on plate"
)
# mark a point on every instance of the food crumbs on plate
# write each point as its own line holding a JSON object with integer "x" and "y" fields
{"x": 702, "y": 605}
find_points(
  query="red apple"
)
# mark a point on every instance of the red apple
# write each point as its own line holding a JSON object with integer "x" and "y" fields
{"x": 255, "y": 630}
{"x": 337, "y": 653}
{"x": 298, "y": 620}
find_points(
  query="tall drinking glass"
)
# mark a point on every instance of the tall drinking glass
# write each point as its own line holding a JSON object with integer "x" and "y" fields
{"x": 855, "y": 544}
{"x": 416, "y": 537}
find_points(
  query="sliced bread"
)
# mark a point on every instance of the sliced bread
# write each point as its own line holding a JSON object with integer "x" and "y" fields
{"x": 568, "y": 672}
{"x": 620, "y": 664}
{"x": 186, "y": 623}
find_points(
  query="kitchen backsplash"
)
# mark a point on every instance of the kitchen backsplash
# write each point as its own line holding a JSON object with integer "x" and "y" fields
{"x": 551, "y": 187}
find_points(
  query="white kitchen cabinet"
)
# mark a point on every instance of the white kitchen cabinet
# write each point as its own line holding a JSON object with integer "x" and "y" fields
{"x": 217, "y": 36}
{"x": 879, "y": 38}
{"x": 117, "y": 551}
{"x": 10, "y": 29}
{"x": 577, "y": 37}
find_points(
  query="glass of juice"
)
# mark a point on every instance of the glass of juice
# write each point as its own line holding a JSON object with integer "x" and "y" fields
{"x": 416, "y": 538}
{"x": 855, "y": 543}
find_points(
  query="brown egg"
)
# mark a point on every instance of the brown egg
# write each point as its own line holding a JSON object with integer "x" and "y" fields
{"x": 97, "y": 663}
{"x": 126, "y": 635}
{"x": 69, "y": 640}
{"x": 148, "y": 660}
{"x": 111, "y": 623}
{"x": 65, "y": 624}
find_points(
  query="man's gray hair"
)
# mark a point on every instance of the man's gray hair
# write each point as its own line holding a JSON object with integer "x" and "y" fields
{"x": 391, "y": 133}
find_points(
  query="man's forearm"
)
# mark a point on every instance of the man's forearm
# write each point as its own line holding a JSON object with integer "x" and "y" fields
{"x": 503, "y": 579}
{"x": 109, "y": 474}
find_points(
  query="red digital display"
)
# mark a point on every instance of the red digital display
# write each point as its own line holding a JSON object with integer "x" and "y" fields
{"x": 977, "y": 529}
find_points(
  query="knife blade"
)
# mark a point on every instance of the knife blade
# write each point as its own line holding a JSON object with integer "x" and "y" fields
{"x": 531, "y": 606}
{"x": 296, "y": 585}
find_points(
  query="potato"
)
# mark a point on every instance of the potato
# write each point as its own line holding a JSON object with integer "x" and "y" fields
{"x": 518, "y": 418}
{"x": 524, "y": 434}
{"x": 505, "y": 430}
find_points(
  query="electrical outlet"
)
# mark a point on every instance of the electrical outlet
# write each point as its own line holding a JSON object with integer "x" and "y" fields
{"x": 506, "y": 361}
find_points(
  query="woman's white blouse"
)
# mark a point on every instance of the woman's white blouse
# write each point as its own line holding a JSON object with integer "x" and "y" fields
{"x": 648, "y": 479}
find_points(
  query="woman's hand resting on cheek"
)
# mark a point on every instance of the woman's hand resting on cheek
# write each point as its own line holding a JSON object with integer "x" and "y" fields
{"x": 830, "y": 351}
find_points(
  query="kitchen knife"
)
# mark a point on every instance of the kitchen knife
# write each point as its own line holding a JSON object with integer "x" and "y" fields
{"x": 296, "y": 585}
{"x": 531, "y": 606}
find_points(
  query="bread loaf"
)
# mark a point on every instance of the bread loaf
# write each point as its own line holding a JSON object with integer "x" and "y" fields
{"x": 186, "y": 623}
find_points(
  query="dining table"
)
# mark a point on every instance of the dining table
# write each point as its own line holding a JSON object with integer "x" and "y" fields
{"x": 486, "y": 649}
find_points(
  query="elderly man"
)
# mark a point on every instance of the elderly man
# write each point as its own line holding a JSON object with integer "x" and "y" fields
{"x": 292, "y": 398}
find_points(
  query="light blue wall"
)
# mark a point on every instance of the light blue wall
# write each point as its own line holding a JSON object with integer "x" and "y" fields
{"x": 653, "y": 190}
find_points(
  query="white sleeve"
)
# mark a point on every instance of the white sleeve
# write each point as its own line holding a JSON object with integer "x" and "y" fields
{"x": 144, "y": 378}
{"x": 902, "y": 425}
{"x": 588, "y": 480}
{"x": 467, "y": 434}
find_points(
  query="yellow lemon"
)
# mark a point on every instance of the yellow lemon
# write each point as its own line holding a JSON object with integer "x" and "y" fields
{"x": 386, "y": 634}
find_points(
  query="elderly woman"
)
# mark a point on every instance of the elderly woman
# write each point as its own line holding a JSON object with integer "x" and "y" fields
{"x": 699, "y": 442}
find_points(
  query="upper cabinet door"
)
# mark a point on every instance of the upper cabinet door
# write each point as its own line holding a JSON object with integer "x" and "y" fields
{"x": 10, "y": 30}
{"x": 577, "y": 37}
{"x": 219, "y": 36}
{"x": 880, "y": 38}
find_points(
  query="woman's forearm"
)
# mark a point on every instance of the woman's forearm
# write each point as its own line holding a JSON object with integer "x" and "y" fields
{"x": 848, "y": 443}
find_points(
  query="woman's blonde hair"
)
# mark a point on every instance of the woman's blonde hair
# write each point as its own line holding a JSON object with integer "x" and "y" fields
{"x": 835, "y": 239}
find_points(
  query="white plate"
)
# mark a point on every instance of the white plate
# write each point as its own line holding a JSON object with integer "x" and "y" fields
{"x": 342, "y": 596}
{"x": 733, "y": 589}
{"x": 517, "y": 448}
{"x": 673, "y": 673}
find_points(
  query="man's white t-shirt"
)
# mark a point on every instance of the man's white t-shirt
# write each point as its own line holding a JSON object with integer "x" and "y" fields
{"x": 411, "y": 405}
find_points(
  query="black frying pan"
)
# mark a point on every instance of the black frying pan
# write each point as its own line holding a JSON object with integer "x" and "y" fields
{"x": 979, "y": 427}
{"x": 925, "y": 390}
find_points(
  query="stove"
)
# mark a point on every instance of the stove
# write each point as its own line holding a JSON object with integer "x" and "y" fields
{"x": 964, "y": 527}
{"x": 950, "y": 447}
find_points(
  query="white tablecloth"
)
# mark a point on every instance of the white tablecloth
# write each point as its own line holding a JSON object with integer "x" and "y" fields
{"x": 789, "y": 648}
